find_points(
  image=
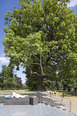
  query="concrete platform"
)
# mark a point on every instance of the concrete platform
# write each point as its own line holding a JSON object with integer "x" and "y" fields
{"x": 21, "y": 101}
{"x": 32, "y": 110}
{"x": 16, "y": 101}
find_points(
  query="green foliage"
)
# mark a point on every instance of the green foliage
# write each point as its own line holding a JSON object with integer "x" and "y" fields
{"x": 43, "y": 36}
{"x": 6, "y": 77}
{"x": 8, "y": 80}
{"x": 2, "y": 75}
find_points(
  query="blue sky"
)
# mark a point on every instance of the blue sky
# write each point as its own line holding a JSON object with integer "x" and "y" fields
{"x": 8, "y": 5}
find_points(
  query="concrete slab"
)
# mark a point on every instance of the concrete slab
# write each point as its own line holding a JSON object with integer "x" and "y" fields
{"x": 32, "y": 110}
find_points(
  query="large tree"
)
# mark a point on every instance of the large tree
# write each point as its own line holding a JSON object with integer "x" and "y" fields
{"x": 41, "y": 34}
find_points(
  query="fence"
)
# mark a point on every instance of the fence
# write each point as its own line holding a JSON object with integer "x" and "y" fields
{"x": 57, "y": 101}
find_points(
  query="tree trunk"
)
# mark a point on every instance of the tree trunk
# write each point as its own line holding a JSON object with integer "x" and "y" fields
{"x": 75, "y": 89}
{"x": 57, "y": 86}
{"x": 40, "y": 86}
{"x": 69, "y": 89}
{"x": 64, "y": 86}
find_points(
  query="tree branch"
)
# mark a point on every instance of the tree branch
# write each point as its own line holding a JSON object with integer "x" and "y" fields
{"x": 36, "y": 63}
{"x": 58, "y": 79}
{"x": 41, "y": 65}
{"x": 60, "y": 61}
{"x": 35, "y": 57}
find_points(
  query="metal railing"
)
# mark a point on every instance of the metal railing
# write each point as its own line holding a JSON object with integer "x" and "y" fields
{"x": 56, "y": 101}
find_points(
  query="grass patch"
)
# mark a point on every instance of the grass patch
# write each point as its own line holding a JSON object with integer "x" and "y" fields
{"x": 22, "y": 92}
{"x": 68, "y": 95}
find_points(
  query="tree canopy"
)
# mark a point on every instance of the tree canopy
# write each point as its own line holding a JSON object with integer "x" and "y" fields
{"x": 42, "y": 34}
{"x": 8, "y": 80}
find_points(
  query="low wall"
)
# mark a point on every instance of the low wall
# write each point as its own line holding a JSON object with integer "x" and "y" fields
{"x": 21, "y": 101}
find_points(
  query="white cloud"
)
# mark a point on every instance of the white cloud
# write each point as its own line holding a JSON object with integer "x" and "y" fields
{"x": 4, "y": 60}
{"x": 72, "y": 3}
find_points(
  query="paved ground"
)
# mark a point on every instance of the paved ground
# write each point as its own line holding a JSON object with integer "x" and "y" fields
{"x": 74, "y": 107}
{"x": 55, "y": 101}
{"x": 62, "y": 103}
{"x": 32, "y": 110}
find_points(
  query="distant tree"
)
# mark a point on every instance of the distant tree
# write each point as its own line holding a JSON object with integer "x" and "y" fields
{"x": 41, "y": 35}
{"x": 18, "y": 82}
{"x": 2, "y": 75}
{"x": 8, "y": 78}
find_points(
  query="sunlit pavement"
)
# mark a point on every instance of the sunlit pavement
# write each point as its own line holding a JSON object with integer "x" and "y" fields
{"x": 32, "y": 110}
